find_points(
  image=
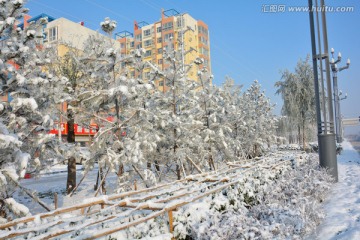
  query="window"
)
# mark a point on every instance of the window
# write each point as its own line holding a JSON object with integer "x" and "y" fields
{"x": 167, "y": 26}
{"x": 132, "y": 44}
{"x": 180, "y": 22}
{"x": 169, "y": 47}
{"x": 147, "y": 53}
{"x": 203, "y": 30}
{"x": 159, "y": 51}
{"x": 203, "y": 40}
{"x": 138, "y": 37}
{"x": 122, "y": 45}
{"x": 132, "y": 73}
{"x": 147, "y": 43}
{"x": 161, "y": 83}
{"x": 159, "y": 40}
{"x": 53, "y": 34}
{"x": 158, "y": 29}
{"x": 160, "y": 61}
{"x": 168, "y": 36}
{"x": 147, "y": 32}
{"x": 139, "y": 46}
{"x": 204, "y": 51}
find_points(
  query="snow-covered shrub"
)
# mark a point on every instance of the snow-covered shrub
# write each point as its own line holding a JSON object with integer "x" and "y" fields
{"x": 279, "y": 203}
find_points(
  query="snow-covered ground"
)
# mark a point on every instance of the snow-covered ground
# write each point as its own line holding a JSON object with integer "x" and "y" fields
{"x": 342, "y": 206}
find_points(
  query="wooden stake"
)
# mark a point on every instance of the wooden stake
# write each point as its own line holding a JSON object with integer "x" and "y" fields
{"x": 56, "y": 200}
{"x": 135, "y": 187}
{"x": 171, "y": 223}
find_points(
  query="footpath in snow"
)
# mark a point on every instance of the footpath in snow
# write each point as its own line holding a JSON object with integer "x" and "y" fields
{"x": 342, "y": 206}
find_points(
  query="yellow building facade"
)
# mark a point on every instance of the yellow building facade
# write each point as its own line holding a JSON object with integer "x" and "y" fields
{"x": 173, "y": 31}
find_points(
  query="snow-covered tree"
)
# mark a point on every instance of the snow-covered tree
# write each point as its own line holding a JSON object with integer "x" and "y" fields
{"x": 176, "y": 111}
{"x": 260, "y": 122}
{"x": 107, "y": 95}
{"x": 233, "y": 115}
{"x": 27, "y": 117}
{"x": 67, "y": 67}
{"x": 297, "y": 92}
{"x": 212, "y": 101}
{"x": 249, "y": 117}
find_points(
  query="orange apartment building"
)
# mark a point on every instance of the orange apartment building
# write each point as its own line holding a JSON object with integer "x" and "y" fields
{"x": 168, "y": 33}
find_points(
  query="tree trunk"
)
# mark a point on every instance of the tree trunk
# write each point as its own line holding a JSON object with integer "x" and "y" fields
{"x": 103, "y": 189}
{"x": 71, "y": 178}
{"x": 303, "y": 135}
{"x": 211, "y": 162}
{"x": 157, "y": 166}
{"x": 121, "y": 170}
{"x": 178, "y": 172}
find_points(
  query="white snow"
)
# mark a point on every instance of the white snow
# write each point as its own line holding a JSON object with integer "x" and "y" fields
{"x": 24, "y": 102}
{"x": 342, "y": 206}
{"x": 17, "y": 208}
{"x": 22, "y": 159}
{"x": 7, "y": 140}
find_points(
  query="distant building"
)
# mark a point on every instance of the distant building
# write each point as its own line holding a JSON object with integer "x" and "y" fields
{"x": 164, "y": 34}
{"x": 167, "y": 33}
{"x": 62, "y": 34}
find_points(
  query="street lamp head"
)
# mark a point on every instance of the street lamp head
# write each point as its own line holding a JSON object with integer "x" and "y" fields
{"x": 332, "y": 50}
{"x": 339, "y": 55}
{"x": 348, "y": 62}
{"x": 332, "y": 61}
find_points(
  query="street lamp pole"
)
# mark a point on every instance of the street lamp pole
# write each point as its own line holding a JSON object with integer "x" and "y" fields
{"x": 326, "y": 136}
{"x": 335, "y": 70}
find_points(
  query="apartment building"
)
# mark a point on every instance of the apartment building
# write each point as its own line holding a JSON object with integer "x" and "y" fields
{"x": 173, "y": 31}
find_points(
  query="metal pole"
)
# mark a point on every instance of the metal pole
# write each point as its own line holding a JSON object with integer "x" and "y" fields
{"x": 340, "y": 123}
{"x": 337, "y": 110}
{"x": 327, "y": 67}
{"x": 315, "y": 68}
{"x": 326, "y": 137}
{"x": 323, "y": 98}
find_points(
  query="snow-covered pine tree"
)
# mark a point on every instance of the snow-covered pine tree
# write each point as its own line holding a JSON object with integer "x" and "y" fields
{"x": 117, "y": 103}
{"x": 260, "y": 122}
{"x": 176, "y": 111}
{"x": 211, "y": 103}
{"x": 233, "y": 115}
{"x": 66, "y": 66}
{"x": 26, "y": 118}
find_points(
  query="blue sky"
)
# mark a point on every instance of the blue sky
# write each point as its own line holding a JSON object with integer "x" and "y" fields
{"x": 247, "y": 41}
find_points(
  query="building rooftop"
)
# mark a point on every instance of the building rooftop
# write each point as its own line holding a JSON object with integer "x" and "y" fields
{"x": 36, "y": 18}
